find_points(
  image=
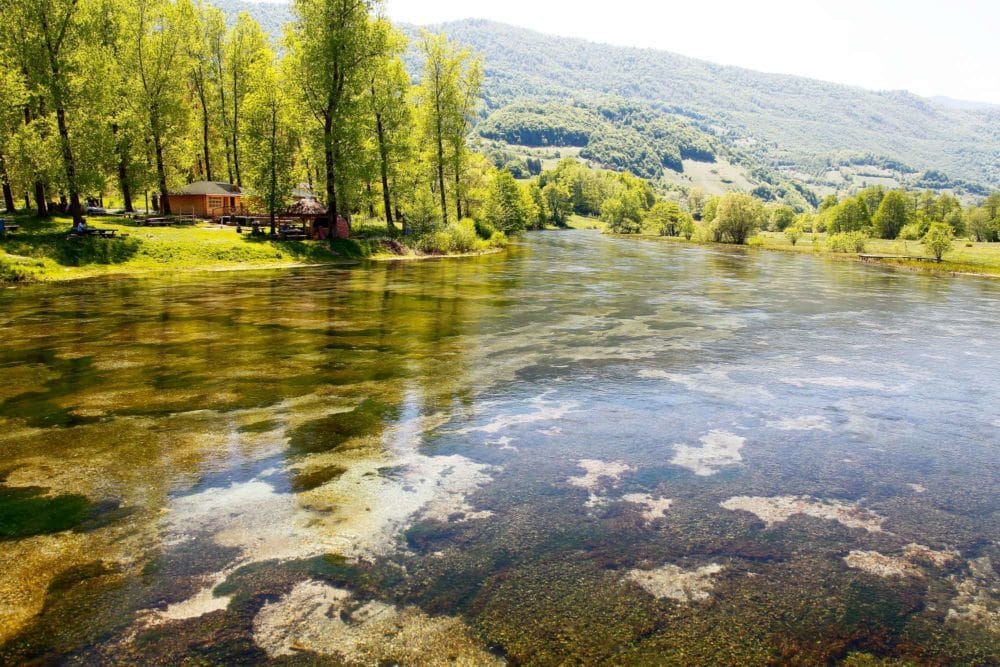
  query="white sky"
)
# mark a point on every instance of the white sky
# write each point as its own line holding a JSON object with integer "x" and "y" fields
{"x": 949, "y": 47}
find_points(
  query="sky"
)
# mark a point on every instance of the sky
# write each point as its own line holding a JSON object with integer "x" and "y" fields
{"x": 949, "y": 48}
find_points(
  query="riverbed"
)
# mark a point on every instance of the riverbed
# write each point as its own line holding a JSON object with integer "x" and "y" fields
{"x": 585, "y": 450}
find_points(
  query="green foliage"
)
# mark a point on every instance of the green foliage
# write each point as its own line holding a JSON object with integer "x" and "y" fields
{"x": 506, "y": 208}
{"x": 801, "y": 122}
{"x": 891, "y": 216}
{"x": 614, "y": 134}
{"x": 938, "y": 240}
{"x": 738, "y": 217}
{"x": 780, "y": 218}
{"x": 664, "y": 218}
{"x": 850, "y": 215}
{"x": 845, "y": 242}
{"x": 793, "y": 234}
{"x": 911, "y": 232}
{"x": 623, "y": 213}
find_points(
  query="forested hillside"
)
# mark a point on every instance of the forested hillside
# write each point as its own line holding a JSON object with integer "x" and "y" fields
{"x": 784, "y": 120}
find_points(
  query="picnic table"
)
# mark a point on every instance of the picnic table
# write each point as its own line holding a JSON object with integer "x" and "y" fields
{"x": 293, "y": 232}
{"x": 98, "y": 232}
{"x": 156, "y": 222}
{"x": 7, "y": 227}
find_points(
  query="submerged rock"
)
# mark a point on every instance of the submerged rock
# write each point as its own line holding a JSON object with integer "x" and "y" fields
{"x": 778, "y": 509}
{"x": 881, "y": 565}
{"x": 676, "y": 583}
{"x": 978, "y": 596}
{"x": 719, "y": 449}
{"x": 654, "y": 508}
{"x": 599, "y": 473}
{"x": 319, "y": 618}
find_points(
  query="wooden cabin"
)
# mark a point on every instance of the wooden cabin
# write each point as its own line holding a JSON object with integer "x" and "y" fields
{"x": 205, "y": 199}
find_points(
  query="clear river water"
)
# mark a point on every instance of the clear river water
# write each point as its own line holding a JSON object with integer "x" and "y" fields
{"x": 587, "y": 450}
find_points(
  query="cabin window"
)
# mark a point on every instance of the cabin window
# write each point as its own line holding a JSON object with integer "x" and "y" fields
{"x": 215, "y": 202}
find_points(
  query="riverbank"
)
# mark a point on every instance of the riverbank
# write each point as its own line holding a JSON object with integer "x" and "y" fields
{"x": 41, "y": 252}
{"x": 967, "y": 258}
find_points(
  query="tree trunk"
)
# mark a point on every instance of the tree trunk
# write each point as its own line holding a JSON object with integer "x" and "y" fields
{"x": 440, "y": 166}
{"x": 331, "y": 185}
{"x": 383, "y": 152}
{"x": 123, "y": 183}
{"x": 41, "y": 203}
{"x": 8, "y": 194}
{"x": 371, "y": 199}
{"x": 204, "y": 132}
{"x": 67, "y": 151}
{"x": 273, "y": 199}
{"x": 458, "y": 188}
{"x": 236, "y": 133}
{"x": 161, "y": 174}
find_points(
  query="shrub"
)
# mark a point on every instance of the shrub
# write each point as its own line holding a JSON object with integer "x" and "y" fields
{"x": 462, "y": 236}
{"x": 910, "y": 232}
{"x": 484, "y": 229}
{"x": 847, "y": 242}
{"x": 938, "y": 239}
{"x": 18, "y": 272}
{"x": 793, "y": 234}
{"x": 435, "y": 243}
{"x": 756, "y": 241}
{"x": 499, "y": 240}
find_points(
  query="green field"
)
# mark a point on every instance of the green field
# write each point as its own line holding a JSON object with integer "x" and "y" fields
{"x": 40, "y": 250}
{"x": 966, "y": 257}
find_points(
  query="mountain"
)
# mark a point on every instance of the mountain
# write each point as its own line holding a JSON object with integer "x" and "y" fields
{"x": 786, "y": 121}
{"x": 775, "y": 128}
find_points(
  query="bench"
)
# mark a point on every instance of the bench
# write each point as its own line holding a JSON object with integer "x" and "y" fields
{"x": 156, "y": 222}
{"x": 7, "y": 227}
{"x": 93, "y": 232}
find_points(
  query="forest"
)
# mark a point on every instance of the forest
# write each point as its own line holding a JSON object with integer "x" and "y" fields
{"x": 125, "y": 101}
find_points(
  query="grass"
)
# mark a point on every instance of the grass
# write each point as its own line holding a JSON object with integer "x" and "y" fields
{"x": 40, "y": 250}
{"x": 966, "y": 257}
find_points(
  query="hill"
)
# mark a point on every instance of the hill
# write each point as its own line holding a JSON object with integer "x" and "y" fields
{"x": 771, "y": 128}
{"x": 787, "y": 122}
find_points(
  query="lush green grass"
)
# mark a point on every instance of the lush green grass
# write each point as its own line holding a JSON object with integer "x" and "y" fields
{"x": 40, "y": 250}
{"x": 966, "y": 257}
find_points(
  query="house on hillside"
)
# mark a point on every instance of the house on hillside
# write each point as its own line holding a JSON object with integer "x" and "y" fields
{"x": 206, "y": 199}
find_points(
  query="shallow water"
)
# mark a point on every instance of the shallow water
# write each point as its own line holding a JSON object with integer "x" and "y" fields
{"x": 588, "y": 450}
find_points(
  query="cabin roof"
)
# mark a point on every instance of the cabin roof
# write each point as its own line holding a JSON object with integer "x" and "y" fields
{"x": 209, "y": 188}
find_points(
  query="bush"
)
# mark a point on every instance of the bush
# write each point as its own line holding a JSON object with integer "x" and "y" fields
{"x": 910, "y": 232}
{"x": 485, "y": 230}
{"x": 19, "y": 272}
{"x": 793, "y": 234}
{"x": 499, "y": 240}
{"x": 847, "y": 242}
{"x": 938, "y": 239}
{"x": 435, "y": 243}
{"x": 462, "y": 236}
{"x": 756, "y": 241}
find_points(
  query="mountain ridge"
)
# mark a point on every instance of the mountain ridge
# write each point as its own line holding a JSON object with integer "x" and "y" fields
{"x": 805, "y": 127}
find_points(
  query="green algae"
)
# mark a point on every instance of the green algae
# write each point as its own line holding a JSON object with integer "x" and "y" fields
{"x": 29, "y": 511}
{"x": 332, "y": 432}
{"x": 313, "y": 479}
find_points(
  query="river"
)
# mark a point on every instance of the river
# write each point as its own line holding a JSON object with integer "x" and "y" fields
{"x": 586, "y": 450}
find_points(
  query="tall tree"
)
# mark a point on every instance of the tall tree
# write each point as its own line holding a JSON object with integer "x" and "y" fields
{"x": 270, "y": 137}
{"x": 891, "y": 216}
{"x": 390, "y": 110}
{"x": 47, "y": 33}
{"x": 450, "y": 85}
{"x": 331, "y": 49}
{"x": 12, "y": 99}
{"x": 246, "y": 47}
{"x": 211, "y": 32}
{"x": 157, "y": 58}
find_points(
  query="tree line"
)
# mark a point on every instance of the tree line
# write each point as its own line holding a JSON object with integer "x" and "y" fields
{"x": 130, "y": 98}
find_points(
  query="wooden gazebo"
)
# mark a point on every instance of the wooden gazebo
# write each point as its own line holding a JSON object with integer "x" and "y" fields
{"x": 307, "y": 210}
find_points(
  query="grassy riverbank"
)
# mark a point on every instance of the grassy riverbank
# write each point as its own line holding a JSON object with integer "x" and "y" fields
{"x": 966, "y": 257}
{"x": 41, "y": 251}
